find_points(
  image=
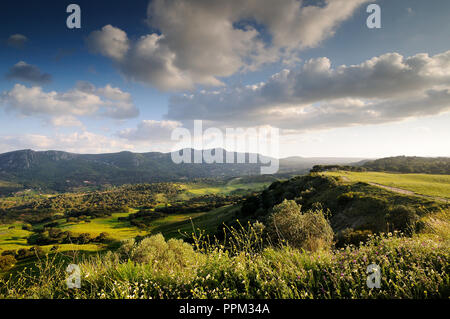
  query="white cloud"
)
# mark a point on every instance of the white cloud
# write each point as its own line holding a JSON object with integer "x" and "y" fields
{"x": 317, "y": 96}
{"x": 65, "y": 120}
{"x": 150, "y": 131}
{"x": 83, "y": 100}
{"x": 198, "y": 42}
{"x": 23, "y": 71}
{"x": 77, "y": 142}
{"x": 110, "y": 42}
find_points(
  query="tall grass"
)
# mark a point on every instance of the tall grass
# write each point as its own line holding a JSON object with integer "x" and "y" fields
{"x": 242, "y": 267}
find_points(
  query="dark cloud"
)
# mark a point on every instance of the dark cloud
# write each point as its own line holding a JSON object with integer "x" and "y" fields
{"x": 23, "y": 71}
{"x": 17, "y": 41}
{"x": 199, "y": 42}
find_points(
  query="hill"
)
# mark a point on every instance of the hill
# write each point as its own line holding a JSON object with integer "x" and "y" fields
{"x": 410, "y": 164}
{"x": 62, "y": 171}
{"x": 353, "y": 205}
{"x": 399, "y": 164}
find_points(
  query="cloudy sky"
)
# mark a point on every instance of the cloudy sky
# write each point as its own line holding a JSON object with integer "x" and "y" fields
{"x": 137, "y": 70}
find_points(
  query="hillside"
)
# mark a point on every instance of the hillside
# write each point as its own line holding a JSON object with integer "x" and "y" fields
{"x": 62, "y": 171}
{"x": 243, "y": 263}
{"x": 353, "y": 205}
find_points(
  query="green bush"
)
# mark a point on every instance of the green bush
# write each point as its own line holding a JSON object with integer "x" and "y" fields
{"x": 6, "y": 262}
{"x": 310, "y": 230}
{"x": 349, "y": 236}
{"x": 402, "y": 218}
{"x": 155, "y": 250}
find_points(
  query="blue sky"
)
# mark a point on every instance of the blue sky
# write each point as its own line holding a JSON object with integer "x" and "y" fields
{"x": 121, "y": 81}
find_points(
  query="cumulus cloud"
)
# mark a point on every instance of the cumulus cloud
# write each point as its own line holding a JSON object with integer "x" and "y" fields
{"x": 83, "y": 100}
{"x": 316, "y": 96}
{"x": 17, "y": 41}
{"x": 76, "y": 142}
{"x": 198, "y": 42}
{"x": 109, "y": 41}
{"x": 23, "y": 71}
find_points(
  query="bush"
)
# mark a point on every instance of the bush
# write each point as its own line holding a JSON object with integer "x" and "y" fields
{"x": 6, "y": 262}
{"x": 156, "y": 251}
{"x": 27, "y": 227}
{"x": 349, "y": 236}
{"x": 310, "y": 231}
{"x": 402, "y": 218}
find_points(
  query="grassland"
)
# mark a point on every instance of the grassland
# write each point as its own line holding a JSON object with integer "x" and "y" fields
{"x": 176, "y": 226}
{"x": 422, "y": 184}
{"x": 409, "y": 268}
{"x": 112, "y": 225}
{"x": 12, "y": 237}
{"x": 231, "y": 187}
{"x": 412, "y": 267}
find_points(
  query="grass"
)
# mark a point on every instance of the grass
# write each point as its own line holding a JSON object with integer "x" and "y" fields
{"x": 175, "y": 226}
{"x": 15, "y": 238}
{"x": 115, "y": 228}
{"x": 199, "y": 189}
{"x": 409, "y": 267}
{"x": 416, "y": 267}
{"x": 423, "y": 184}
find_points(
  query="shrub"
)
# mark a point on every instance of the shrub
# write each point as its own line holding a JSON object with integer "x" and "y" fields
{"x": 6, "y": 262}
{"x": 27, "y": 227}
{"x": 157, "y": 251}
{"x": 349, "y": 236}
{"x": 309, "y": 230}
{"x": 402, "y": 218}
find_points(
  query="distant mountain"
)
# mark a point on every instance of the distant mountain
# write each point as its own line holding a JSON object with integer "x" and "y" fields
{"x": 60, "y": 171}
{"x": 305, "y": 163}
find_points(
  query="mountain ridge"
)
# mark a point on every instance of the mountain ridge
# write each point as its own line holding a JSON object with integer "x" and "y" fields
{"x": 60, "y": 170}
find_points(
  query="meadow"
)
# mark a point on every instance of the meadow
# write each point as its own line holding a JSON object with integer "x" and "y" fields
{"x": 422, "y": 184}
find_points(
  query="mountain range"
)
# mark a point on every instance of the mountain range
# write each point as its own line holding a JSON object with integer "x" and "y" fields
{"x": 60, "y": 171}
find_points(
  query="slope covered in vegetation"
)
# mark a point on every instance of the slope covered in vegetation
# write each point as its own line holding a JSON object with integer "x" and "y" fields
{"x": 308, "y": 237}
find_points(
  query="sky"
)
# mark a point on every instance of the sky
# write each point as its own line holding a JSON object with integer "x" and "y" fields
{"x": 136, "y": 71}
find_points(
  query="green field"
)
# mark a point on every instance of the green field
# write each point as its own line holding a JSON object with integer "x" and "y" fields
{"x": 13, "y": 238}
{"x": 175, "y": 226}
{"x": 422, "y": 184}
{"x": 199, "y": 189}
{"x": 16, "y": 238}
{"x": 115, "y": 228}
